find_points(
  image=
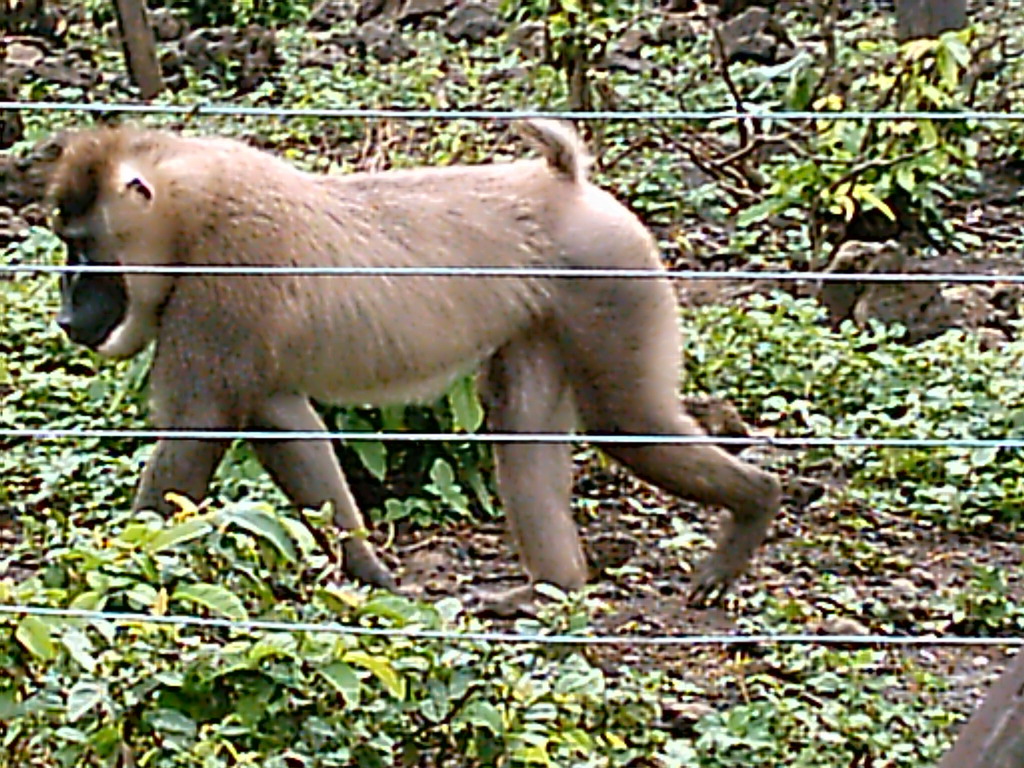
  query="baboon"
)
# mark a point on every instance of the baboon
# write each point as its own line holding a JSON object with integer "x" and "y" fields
{"x": 252, "y": 352}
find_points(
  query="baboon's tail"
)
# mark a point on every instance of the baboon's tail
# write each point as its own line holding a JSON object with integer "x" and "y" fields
{"x": 561, "y": 146}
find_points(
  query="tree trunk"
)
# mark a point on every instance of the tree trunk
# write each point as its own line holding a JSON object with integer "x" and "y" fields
{"x": 994, "y": 736}
{"x": 927, "y": 18}
{"x": 139, "y": 46}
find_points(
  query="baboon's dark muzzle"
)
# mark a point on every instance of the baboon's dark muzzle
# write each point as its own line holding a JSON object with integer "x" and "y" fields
{"x": 91, "y": 307}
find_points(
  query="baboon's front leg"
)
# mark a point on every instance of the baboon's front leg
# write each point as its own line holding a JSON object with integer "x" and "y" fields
{"x": 182, "y": 466}
{"x": 309, "y": 474}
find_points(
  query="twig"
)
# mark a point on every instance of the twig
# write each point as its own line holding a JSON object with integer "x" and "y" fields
{"x": 737, "y": 99}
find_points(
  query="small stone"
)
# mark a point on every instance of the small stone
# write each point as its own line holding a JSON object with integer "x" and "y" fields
{"x": 844, "y": 625}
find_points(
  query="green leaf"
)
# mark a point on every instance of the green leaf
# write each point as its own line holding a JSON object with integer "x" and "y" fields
{"x": 955, "y": 44}
{"x": 79, "y": 646}
{"x": 34, "y": 634}
{"x": 299, "y": 533}
{"x": 866, "y": 194}
{"x": 392, "y": 419}
{"x": 266, "y": 526}
{"x": 191, "y": 529}
{"x": 143, "y": 594}
{"x": 905, "y": 178}
{"x": 948, "y": 70}
{"x": 277, "y": 645}
{"x": 915, "y": 49}
{"x": 983, "y": 457}
{"x": 344, "y": 680}
{"x": 171, "y": 722}
{"x": 483, "y": 714}
{"x": 466, "y": 409}
{"x": 397, "y": 609}
{"x": 444, "y": 485}
{"x": 381, "y": 669}
{"x": 374, "y": 456}
{"x": 83, "y": 697}
{"x": 214, "y": 598}
{"x": 10, "y": 707}
{"x": 759, "y": 211}
{"x": 90, "y": 600}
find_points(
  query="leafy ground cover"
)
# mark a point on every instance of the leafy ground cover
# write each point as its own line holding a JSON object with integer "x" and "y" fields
{"x": 879, "y": 541}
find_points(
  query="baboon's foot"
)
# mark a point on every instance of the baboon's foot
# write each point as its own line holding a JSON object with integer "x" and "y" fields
{"x": 713, "y": 579}
{"x": 742, "y": 533}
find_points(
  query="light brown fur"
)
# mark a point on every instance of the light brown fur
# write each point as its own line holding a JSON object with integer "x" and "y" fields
{"x": 250, "y": 352}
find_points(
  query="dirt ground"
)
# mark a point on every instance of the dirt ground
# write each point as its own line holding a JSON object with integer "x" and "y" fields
{"x": 647, "y": 594}
{"x": 812, "y": 546}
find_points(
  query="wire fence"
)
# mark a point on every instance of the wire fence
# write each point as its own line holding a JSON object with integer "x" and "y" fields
{"x": 574, "y": 273}
{"x": 399, "y": 113}
{"x": 200, "y": 110}
{"x": 413, "y": 633}
{"x": 513, "y": 437}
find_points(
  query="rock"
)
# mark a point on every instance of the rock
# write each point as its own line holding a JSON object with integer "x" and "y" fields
{"x": 924, "y": 309}
{"x": 991, "y": 338}
{"x": 610, "y": 550}
{"x": 844, "y": 625}
{"x": 529, "y": 39}
{"x": 679, "y": 6}
{"x": 473, "y": 22}
{"x": 32, "y": 17}
{"x": 384, "y": 43}
{"x": 633, "y": 40}
{"x": 12, "y": 128}
{"x": 676, "y": 28}
{"x": 414, "y": 11}
{"x": 904, "y": 589}
{"x": 25, "y": 53}
{"x": 328, "y": 15}
{"x": 755, "y": 36}
{"x": 252, "y": 49}
{"x": 167, "y": 25}
{"x": 67, "y": 74}
{"x": 728, "y": 9}
{"x": 371, "y": 9}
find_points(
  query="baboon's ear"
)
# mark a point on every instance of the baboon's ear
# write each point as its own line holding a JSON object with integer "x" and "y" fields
{"x": 134, "y": 183}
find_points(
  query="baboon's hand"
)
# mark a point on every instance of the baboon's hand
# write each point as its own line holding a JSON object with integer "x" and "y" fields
{"x": 361, "y": 563}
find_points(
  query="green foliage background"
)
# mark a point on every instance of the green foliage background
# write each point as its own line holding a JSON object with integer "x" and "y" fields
{"x": 92, "y": 693}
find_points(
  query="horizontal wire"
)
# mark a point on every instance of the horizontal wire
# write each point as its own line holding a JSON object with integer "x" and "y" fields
{"x": 506, "y": 437}
{"x": 553, "y": 272}
{"x": 257, "y": 625}
{"x": 499, "y": 114}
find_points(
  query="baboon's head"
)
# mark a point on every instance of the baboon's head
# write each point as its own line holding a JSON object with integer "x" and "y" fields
{"x": 106, "y": 206}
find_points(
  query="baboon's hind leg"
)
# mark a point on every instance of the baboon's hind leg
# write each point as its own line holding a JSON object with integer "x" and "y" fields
{"x": 625, "y": 375}
{"x": 526, "y": 390}
{"x": 706, "y": 474}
